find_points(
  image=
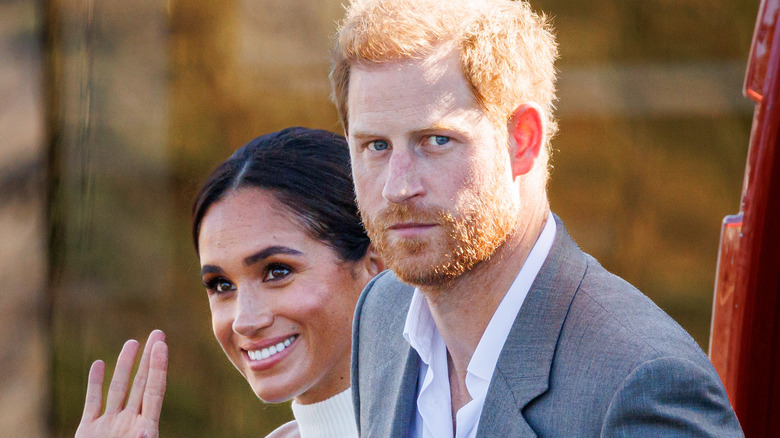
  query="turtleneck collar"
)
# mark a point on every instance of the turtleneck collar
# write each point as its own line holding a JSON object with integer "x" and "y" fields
{"x": 329, "y": 418}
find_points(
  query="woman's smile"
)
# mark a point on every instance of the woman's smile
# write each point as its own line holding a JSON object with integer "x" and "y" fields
{"x": 272, "y": 350}
{"x": 265, "y": 358}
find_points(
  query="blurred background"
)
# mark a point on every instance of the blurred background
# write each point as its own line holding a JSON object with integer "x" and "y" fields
{"x": 112, "y": 114}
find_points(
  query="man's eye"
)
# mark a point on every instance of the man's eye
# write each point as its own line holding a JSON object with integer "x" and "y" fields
{"x": 378, "y": 145}
{"x": 438, "y": 140}
{"x": 277, "y": 272}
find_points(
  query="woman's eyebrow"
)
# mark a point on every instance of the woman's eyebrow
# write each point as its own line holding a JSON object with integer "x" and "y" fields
{"x": 268, "y": 252}
{"x": 210, "y": 269}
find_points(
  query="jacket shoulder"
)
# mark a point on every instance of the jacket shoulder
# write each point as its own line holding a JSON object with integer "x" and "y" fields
{"x": 612, "y": 311}
{"x": 623, "y": 356}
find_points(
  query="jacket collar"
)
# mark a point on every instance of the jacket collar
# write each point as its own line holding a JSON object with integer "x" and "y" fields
{"x": 523, "y": 369}
{"x": 394, "y": 408}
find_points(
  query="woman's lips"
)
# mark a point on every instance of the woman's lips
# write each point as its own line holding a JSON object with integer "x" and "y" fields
{"x": 266, "y": 357}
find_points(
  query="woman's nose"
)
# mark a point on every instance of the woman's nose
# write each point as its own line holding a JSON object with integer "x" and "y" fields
{"x": 252, "y": 313}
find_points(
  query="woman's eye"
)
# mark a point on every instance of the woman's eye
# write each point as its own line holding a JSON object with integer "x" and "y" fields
{"x": 220, "y": 285}
{"x": 277, "y": 272}
{"x": 225, "y": 286}
{"x": 438, "y": 140}
{"x": 378, "y": 145}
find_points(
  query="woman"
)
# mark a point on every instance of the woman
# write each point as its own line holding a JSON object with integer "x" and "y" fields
{"x": 284, "y": 258}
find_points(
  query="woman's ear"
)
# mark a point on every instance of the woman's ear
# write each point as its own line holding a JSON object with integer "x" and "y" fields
{"x": 374, "y": 263}
{"x": 526, "y": 132}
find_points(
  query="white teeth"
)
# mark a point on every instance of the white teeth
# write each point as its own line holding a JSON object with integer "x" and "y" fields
{"x": 265, "y": 353}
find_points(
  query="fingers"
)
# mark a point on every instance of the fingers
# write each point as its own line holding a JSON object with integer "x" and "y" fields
{"x": 139, "y": 383}
{"x": 117, "y": 392}
{"x": 155, "y": 387}
{"x": 94, "y": 400}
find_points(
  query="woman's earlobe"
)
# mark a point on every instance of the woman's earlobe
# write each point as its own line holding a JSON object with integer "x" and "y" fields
{"x": 375, "y": 264}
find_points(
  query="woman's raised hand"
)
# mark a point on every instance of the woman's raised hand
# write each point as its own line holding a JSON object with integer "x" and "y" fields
{"x": 135, "y": 415}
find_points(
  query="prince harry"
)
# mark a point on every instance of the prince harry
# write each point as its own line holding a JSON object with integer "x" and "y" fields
{"x": 491, "y": 322}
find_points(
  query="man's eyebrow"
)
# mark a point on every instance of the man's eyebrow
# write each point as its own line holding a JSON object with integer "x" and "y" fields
{"x": 268, "y": 252}
{"x": 442, "y": 126}
{"x": 434, "y": 127}
{"x": 362, "y": 134}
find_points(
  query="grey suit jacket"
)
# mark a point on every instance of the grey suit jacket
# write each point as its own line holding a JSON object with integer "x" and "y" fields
{"x": 588, "y": 355}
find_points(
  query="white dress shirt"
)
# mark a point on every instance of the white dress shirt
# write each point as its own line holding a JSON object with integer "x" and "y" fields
{"x": 434, "y": 409}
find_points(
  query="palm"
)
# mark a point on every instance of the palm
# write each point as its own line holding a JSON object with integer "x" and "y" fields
{"x": 131, "y": 416}
{"x": 123, "y": 424}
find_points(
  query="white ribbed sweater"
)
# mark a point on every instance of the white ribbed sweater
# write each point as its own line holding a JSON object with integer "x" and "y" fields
{"x": 331, "y": 418}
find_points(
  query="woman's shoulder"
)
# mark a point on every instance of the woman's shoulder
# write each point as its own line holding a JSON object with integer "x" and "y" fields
{"x": 286, "y": 430}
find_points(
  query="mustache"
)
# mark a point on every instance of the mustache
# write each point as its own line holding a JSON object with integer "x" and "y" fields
{"x": 402, "y": 213}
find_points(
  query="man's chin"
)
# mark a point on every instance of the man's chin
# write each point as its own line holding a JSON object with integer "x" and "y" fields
{"x": 424, "y": 279}
{"x": 399, "y": 250}
{"x": 421, "y": 271}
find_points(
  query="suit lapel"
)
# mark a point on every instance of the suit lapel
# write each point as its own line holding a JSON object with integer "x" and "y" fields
{"x": 393, "y": 411}
{"x": 523, "y": 369}
{"x": 406, "y": 405}
{"x": 394, "y": 378}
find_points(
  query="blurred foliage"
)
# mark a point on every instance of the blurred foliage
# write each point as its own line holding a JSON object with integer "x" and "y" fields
{"x": 153, "y": 95}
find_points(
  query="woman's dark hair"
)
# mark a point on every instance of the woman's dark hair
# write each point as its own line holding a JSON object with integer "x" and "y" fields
{"x": 308, "y": 171}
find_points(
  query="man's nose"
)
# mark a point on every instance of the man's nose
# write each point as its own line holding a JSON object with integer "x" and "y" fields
{"x": 403, "y": 179}
{"x": 253, "y": 313}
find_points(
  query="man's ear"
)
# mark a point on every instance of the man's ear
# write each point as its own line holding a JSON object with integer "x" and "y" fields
{"x": 526, "y": 135}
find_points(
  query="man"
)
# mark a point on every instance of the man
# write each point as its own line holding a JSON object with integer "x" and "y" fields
{"x": 492, "y": 322}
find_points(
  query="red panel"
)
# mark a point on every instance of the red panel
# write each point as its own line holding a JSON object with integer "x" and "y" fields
{"x": 745, "y": 340}
{"x": 727, "y": 306}
{"x": 760, "y": 50}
